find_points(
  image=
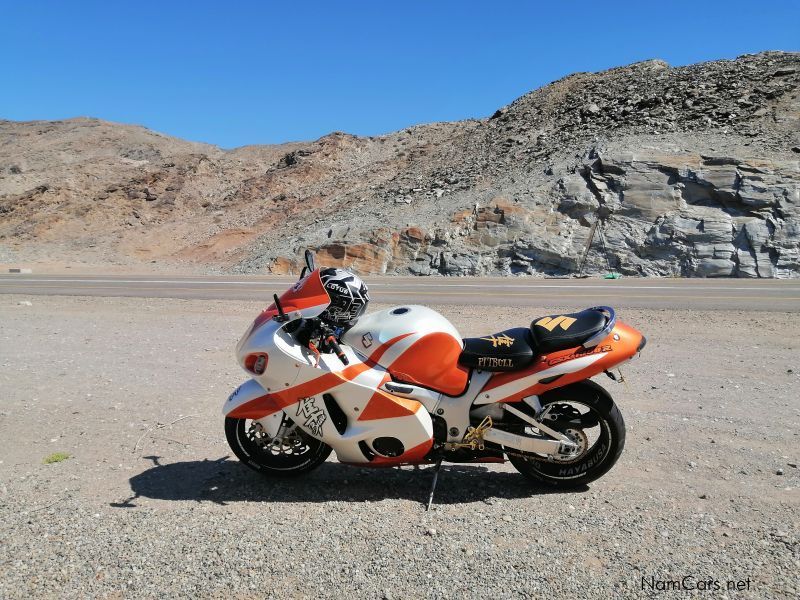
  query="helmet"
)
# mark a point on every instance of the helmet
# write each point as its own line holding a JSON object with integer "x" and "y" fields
{"x": 349, "y": 297}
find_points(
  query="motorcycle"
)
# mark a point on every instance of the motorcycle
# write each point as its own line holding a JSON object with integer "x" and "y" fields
{"x": 401, "y": 387}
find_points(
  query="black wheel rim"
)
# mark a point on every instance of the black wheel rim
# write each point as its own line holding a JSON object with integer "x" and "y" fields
{"x": 580, "y": 416}
{"x": 295, "y": 452}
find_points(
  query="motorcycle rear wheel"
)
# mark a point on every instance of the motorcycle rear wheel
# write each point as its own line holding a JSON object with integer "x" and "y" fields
{"x": 600, "y": 454}
{"x": 296, "y": 457}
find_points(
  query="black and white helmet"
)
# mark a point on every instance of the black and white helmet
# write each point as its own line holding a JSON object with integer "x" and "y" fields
{"x": 349, "y": 297}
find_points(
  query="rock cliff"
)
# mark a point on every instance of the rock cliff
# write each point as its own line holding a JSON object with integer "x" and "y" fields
{"x": 687, "y": 171}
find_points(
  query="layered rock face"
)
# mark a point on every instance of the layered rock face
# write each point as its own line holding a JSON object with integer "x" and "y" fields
{"x": 690, "y": 171}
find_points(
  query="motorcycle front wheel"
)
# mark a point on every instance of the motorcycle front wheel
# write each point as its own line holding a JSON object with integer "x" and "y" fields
{"x": 293, "y": 454}
{"x": 586, "y": 414}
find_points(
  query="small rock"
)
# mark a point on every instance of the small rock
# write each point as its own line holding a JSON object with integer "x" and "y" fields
{"x": 431, "y": 532}
{"x": 793, "y": 465}
{"x": 25, "y": 303}
{"x": 779, "y": 472}
{"x": 704, "y": 496}
{"x": 591, "y": 108}
{"x": 692, "y": 464}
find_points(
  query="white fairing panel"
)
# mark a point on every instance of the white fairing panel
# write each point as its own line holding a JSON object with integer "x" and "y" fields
{"x": 296, "y": 383}
{"x": 411, "y": 320}
{"x": 285, "y": 355}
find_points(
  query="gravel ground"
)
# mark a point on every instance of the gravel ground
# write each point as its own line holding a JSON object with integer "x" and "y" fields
{"x": 151, "y": 502}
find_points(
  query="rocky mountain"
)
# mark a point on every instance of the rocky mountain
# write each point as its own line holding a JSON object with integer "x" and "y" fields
{"x": 690, "y": 171}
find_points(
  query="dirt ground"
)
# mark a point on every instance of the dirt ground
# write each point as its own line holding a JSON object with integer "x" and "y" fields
{"x": 151, "y": 501}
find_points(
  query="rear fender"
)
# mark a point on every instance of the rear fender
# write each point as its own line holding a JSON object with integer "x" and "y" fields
{"x": 587, "y": 388}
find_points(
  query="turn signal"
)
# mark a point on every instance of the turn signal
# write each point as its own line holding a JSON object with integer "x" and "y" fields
{"x": 256, "y": 363}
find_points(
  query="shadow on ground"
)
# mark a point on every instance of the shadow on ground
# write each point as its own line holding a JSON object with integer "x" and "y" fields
{"x": 223, "y": 481}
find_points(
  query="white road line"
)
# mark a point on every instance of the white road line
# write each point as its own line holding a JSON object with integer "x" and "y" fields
{"x": 172, "y": 281}
{"x": 491, "y": 285}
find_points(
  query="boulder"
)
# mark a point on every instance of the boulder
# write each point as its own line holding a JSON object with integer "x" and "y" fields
{"x": 714, "y": 267}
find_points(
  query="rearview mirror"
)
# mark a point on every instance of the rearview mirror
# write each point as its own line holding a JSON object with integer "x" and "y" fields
{"x": 310, "y": 260}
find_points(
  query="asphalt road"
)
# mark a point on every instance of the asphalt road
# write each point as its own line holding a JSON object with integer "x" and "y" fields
{"x": 698, "y": 294}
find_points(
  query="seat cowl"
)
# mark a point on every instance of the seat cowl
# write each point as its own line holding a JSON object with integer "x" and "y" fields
{"x": 507, "y": 350}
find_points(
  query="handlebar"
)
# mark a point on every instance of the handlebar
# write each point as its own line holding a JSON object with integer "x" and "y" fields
{"x": 337, "y": 349}
{"x": 307, "y": 330}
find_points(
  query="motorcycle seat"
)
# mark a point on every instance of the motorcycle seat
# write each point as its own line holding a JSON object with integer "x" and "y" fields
{"x": 507, "y": 350}
{"x": 559, "y": 332}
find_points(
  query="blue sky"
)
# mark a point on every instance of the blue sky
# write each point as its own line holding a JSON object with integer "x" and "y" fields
{"x": 235, "y": 73}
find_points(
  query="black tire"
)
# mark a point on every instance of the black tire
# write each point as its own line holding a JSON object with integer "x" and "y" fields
{"x": 597, "y": 459}
{"x": 306, "y": 457}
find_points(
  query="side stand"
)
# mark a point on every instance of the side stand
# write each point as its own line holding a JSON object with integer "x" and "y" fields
{"x": 433, "y": 485}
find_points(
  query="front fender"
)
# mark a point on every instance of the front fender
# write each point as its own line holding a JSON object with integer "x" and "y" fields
{"x": 250, "y": 401}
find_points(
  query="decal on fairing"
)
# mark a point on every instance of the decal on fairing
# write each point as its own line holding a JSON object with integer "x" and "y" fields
{"x": 578, "y": 354}
{"x": 314, "y": 416}
{"x": 233, "y": 395}
{"x": 366, "y": 339}
{"x": 299, "y": 285}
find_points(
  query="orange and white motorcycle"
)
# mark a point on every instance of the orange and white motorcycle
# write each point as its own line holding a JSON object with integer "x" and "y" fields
{"x": 400, "y": 386}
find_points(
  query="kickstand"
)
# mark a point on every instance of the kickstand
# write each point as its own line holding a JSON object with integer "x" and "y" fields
{"x": 433, "y": 485}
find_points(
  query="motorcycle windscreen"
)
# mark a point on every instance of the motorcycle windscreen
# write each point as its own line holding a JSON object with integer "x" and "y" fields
{"x": 308, "y": 296}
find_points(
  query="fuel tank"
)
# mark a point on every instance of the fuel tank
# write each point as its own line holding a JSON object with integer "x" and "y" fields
{"x": 415, "y": 344}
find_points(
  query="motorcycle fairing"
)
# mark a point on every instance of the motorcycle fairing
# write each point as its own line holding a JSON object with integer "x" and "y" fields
{"x": 308, "y": 297}
{"x": 548, "y": 371}
{"x": 428, "y": 355}
{"x": 370, "y": 412}
{"x": 557, "y": 369}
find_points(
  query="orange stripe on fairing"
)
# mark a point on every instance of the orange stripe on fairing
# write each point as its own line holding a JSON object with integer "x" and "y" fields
{"x": 270, "y": 403}
{"x": 619, "y": 351}
{"x": 385, "y": 406}
{"x": 258, "y": 407}
{"x": 381, "y": 350}
{"x": 412, "y": 456}
{"x": 432, "y": 362}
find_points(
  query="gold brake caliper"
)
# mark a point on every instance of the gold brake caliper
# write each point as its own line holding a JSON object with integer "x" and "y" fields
{"x": 473, "y": 439}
